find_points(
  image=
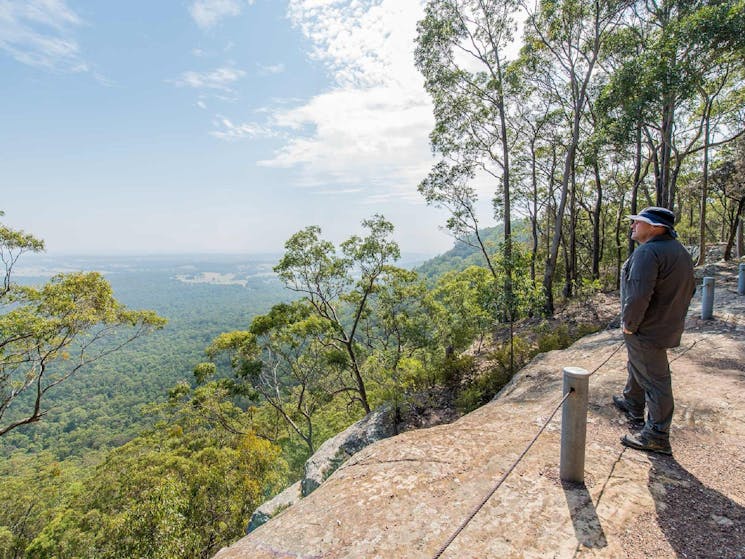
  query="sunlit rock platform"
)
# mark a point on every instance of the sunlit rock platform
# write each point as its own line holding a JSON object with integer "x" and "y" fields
{"x": 403, "y": 497}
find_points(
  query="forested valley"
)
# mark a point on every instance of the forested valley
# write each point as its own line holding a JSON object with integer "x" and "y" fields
{"x": 155, "y": 433}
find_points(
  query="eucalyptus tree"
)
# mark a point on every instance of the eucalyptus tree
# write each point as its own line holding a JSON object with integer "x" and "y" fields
{"x": 728, "y": 182}
{"x": 51, "y": 332}
{"x": 31, "y": 488}
{"x": 648, "y": 87}
{"x": 401, "y": 334}
{"x": 462, "y": 52}
{"x": 537, "y": 121}
{"x": 672, "y": 51}
{"x": 563, "y": 43}
{"x": 721, "y": 115}
{"x": 607, "y": 173}
{"x": 338, "y": 285}
{"x": 280, "y": 358}
{"x": 465, "y": 303}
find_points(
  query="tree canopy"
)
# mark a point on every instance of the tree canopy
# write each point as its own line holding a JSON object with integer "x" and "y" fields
{"x": 49, "y": 333}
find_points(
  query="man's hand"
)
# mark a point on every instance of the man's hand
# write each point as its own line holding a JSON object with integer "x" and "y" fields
{"x": 625, "y": 330}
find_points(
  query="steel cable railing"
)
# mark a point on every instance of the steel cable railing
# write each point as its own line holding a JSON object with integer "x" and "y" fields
{"x": 499, "y": 483}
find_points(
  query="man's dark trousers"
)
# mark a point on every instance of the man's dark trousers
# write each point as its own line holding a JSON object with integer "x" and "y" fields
{"x": 649, "y": 373}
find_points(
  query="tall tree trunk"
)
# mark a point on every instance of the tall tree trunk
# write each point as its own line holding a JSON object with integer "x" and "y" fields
{"x": 572, "y": 267}
{"x": 553, "y": 237}
{"x": 596, "y": 222}
{"x": 735, "y": 233}
{"x": 704, "y": 187}
{"x": 619, "y": 252}
{"x": 506, "y": 199}
{"x": 665, "y": 192}
{"x": 550, "y": 272}
{"x": 567, "y": 290}
{"x": 534, "y": 216}
{"x": 637, "y": 182}
{"x": 690, "y": 216}
{"x": 579, "y": 84}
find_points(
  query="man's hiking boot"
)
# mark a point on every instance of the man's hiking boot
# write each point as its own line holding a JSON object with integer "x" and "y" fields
{"x": 623, "y": 405}
{"x": 642, "y": 442}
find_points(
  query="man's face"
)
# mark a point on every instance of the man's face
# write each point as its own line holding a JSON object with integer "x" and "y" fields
{"x": 641, "y": 231}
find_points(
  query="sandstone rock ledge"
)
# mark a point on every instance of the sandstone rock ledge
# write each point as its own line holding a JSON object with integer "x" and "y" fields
{"x": 403, "y": 497}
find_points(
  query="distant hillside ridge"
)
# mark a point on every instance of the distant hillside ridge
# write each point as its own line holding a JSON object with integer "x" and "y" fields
{"x": 466, "y": 253}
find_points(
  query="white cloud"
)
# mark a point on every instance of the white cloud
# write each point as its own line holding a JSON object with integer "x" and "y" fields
{"x": 370, "y": 136}
{"x": 40, "y": 33}
{"x": 362, "y": 42}
{"x": 219, "y": 79}
{"x": 207, "y": 13}
{"x": 229, "y": 131}
{"x": 372, "y": 127}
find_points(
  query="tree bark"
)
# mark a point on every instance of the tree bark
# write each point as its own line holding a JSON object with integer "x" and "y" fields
{"x": 596, "y": 243}
{"x": 704, "y": 187}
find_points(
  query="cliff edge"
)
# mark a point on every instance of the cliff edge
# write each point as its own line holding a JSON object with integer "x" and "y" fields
{"x": 404, "y": 497}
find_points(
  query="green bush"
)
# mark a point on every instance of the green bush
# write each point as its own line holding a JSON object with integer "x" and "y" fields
{"x": 457, "y": 370}
{"x": 482, "y": 389}
{"x": 585, "y": 330}
{"x": 558, "y": 338}
{"x": 485, "y": 385}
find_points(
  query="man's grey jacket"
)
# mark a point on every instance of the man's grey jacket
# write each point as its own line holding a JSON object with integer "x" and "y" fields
{"x": 656, "y": 288}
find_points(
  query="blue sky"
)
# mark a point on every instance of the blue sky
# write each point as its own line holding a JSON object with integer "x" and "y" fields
{"x": 212, "y": 125}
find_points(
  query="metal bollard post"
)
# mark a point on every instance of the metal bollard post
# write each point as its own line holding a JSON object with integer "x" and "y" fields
{"x": 707, "y": 299}
{"x": 574, "y": 425}
{"x": 741, "y": 280}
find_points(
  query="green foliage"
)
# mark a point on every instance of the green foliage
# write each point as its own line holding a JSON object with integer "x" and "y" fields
{"x": 339, "y": 288}
{"x": 481, "y": 390}
{"x": 13, "y": 244}
{"x": 588, "y": 287}
{"x": 183, "y": 490}
{"x": 101, "y": 408}
{"x": 31, "y": 489}
{"x": 465, "y": 303}
{"x": 554, "y": 337}
{"x": 6, "y": 542}
{"x": 482, "y": 387}
{"x": 48, "y": 334}
{"x": 361, "y": 333}
{"x": 203, "y": 371}
{"x": 281, "y": 359}
{"x": 457, "y": 371}
{"x": 402, "y": 334}
{"x": 519, "y": 351}
{"x": 524, "y": 298}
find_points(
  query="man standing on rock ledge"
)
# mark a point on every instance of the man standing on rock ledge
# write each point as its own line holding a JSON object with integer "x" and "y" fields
{"x": 656, "y": 288}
